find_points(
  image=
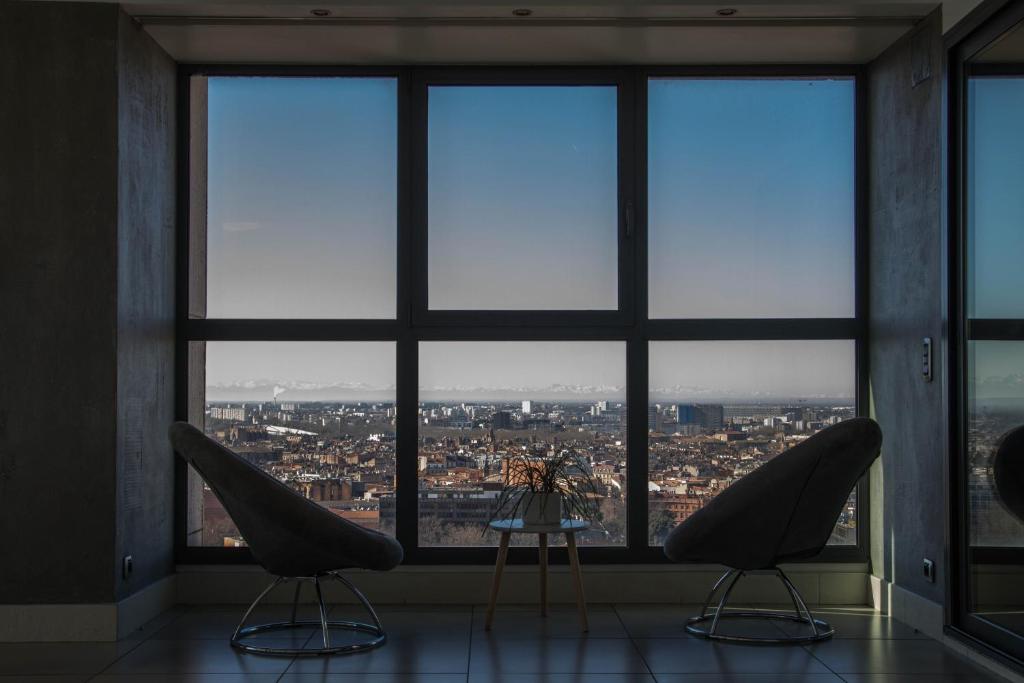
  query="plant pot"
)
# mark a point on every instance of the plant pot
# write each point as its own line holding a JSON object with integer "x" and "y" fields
{"x": 542, "y": 509}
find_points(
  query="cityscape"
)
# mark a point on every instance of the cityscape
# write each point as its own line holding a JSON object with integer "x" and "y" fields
{"x": 991, "y": 525}
{"x": 341, "y": 454}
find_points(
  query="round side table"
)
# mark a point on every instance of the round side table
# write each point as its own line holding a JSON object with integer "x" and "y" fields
{"x": 569, "y": 527}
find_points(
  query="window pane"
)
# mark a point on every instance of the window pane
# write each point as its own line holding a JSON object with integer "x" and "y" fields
{"x": 718, "y": 410}
{"x": 995, "y": 220}
{"x": 482, "y": 403}
{"x": 523, "y": 199}
{"x": 995, "y": 405}
{"x": 319, "y": 416}
{"x": 751, "y": 198}
{"x": 301, "y": 198}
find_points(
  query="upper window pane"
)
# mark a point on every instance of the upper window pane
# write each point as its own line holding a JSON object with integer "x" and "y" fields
{"x": 995, "y": 219}
{"x": 302, "y": 198}
{"x": 523, "y": 199}
{"x": 751, "y": 198}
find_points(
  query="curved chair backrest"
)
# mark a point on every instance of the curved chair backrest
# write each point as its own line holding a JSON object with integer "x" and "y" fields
{"x": 1008, "y": 472}
{"x": 288, "y": 534}
{"x": 784, "y": 510}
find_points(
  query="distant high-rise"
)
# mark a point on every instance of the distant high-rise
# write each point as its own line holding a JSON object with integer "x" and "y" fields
{"x": 527, "y": 407}
{"x": 501, "y": 420}
{"x": 706, "y": 416}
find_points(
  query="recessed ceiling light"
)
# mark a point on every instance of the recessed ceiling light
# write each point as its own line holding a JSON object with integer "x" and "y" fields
{"x": 522, "y": 12}
{"x": 320, "y": 12}
{"x": 725, "y": 12}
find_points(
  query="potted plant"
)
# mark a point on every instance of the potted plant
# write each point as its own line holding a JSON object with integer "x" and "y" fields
{"x": 543, "y": 490}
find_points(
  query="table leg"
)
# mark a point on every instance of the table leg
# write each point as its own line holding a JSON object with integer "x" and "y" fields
{"x": 543, "y": 553}
{"x": 499, "y": 566}
{"x": 577, "y": 579}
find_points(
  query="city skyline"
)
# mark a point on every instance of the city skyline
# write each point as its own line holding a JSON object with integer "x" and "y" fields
{"x": 699, "y": 371}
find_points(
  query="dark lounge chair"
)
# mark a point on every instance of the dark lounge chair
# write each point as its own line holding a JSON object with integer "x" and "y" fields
{"x": 292, "y": 538}
{"x": 1008, "y": 472}
{"x": 785, "y": 510}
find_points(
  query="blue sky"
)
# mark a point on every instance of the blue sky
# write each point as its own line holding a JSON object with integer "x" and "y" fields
{"x": 523, "y": 203}
{"x": 996, "y": 198}
{"x": 751, "y": 215}
{"x": 751, "y": 196}
{"x": 302, "y": 197}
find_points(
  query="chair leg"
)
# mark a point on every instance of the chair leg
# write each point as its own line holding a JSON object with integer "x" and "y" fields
{"x": 723, "y": 602}
{"x": 295, "y": 600}
{"x": 362, "y": 599}
{"x": 794, "y": 594}
{"x": 820, "y": 630}
{"x": 376, "y": 632}
{"x": 238, "y": 629}
{"x": 323, "y": 613}
{"x": 718, "y": 584}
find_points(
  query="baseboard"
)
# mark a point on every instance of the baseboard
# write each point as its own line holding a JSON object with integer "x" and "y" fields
{"x": 146, "y": 604}
{"x": 820, "y": 584}
{"x": 55, "y": 623}
{"x": 86, "y": 622}
{"x": 928, "y": 617}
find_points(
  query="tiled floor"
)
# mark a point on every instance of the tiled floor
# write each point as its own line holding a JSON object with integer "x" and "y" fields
{"x": 626, "y": 644}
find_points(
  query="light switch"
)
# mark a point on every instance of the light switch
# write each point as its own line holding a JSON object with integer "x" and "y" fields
{"x": 926, "y": 359}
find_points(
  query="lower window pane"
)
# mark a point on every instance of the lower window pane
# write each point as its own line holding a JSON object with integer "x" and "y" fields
{"x": 486, "y": 407}
{"x": 720, "y": 409}
{"x": 995, "y": 406}
{"x": 318, "y": 416}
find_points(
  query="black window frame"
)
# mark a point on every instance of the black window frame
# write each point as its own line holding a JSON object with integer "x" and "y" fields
{"x": 414, "y": 322}
{"x": 978, "y": 30}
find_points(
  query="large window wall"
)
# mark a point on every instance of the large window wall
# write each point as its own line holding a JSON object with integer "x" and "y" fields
{"x": 987, "y": 329}
{"x": 394, "y": 280}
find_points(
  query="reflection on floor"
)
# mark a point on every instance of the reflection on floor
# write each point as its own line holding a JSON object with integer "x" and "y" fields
{"x": 626, "y": 643}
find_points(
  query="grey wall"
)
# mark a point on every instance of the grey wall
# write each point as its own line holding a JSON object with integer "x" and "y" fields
{"x": 905, "y": 134}
{"x": 86, "y": 200}
{"x": 145, "y": 305}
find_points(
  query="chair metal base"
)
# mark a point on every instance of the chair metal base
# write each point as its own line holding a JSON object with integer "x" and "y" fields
{"x": 820, "y": 630}
{"x": 379, "y": 637}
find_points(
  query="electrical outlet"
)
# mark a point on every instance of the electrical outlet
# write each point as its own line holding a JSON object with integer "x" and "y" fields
{"x": 929, "y": 571}
{"x": 127, "y": 565}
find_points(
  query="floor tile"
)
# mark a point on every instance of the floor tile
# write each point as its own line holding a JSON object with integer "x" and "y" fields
{"x": 701, "y": 656}
{"x": 561, "y": 678}
{"x": 749, "y": 678}
{"x": 653, "y": 621}
{"x": 420, "y": 654}
{"x": 562, "y": 621}
{"x": 975, "y": 677}
{"x": 185, "y": 678}
{"x": 217, "y": 625}
{"x": 407, "y": 621}
{"x": 151, "y": 627}
{"x": 858, "y": 625}
{"x": 558, "y": 655}
{"x": 373, "y": 678}
{"x": 156, "y": 656}
{"x": 891, "y": 656}
{"x": 57, "y": 658}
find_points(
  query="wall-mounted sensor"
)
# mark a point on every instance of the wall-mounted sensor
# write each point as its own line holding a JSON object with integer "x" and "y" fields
{"x": 926, "y": 359}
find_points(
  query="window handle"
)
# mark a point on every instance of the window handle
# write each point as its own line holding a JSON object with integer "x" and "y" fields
{"x": 628, "y": 219}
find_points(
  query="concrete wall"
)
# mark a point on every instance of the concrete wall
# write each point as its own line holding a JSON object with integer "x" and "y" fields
{"x": 86, "y": 325}
{"x": 905, "y": 135}
{"x": 145, "y": 306}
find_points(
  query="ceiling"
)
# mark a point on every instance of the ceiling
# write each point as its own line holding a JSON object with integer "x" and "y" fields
{"x": 562, "y": 32}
